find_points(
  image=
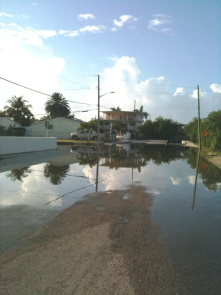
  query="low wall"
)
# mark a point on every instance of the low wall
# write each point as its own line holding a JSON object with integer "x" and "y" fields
{"x": 16, "y": 144}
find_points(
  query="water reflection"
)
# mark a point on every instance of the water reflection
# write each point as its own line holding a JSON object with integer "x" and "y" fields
{"x": 209, "y": 173}
{"x": 18, "y": 174}
{"x": 55, "y": 174}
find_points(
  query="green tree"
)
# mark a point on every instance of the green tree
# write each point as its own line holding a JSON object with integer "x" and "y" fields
{"x": 119, "y": 126}
{"x": 191, "y": 130}
{"x": 90, "y": 125}
{"x": 116, "y": 109}
{"x": 147, "y": 129}
{"x": 212, "y": 124}
{"x": 158, "y": 129}
{"x": 19, "y": 174}
{"x": 19, "y": 111}
{"x": 57, "y": 106}
{"x": 164, "y": 128}
{"x": 2, "y": 114}
{"x": 142, "y": 113}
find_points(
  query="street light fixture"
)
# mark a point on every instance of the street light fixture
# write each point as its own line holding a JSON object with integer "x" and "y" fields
{"x": 98, "y": 115}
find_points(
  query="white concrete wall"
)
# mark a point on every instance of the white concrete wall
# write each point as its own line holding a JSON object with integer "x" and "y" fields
{"x": 16, "y": 144}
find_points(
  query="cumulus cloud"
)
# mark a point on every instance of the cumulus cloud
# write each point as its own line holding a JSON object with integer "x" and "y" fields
{"x": 86, "y": 16}
{"x": 123, "y": 19}
{"x": 216, "y": 88}
{"x": 159, "y": 22}
{"x": 39, "y": 69}
{"x": 5, "y": 14}
{"x": 154, "y": 93}
{"x": 175, "y": 180}
{"x": 90, "y": 29}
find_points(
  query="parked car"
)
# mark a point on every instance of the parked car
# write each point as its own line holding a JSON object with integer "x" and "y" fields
{"x": 84, "y": 135}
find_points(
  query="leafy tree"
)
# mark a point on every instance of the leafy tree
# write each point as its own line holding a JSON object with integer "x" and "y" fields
{"x": 57, "y": 106}
{"x": 158, "y": 129}
{"x": 19, "y": 111}
{"x": 116, "y": 109}
{"x": 89, "y": 126}
{"x": 2, "y": 114}
{"x": 191, "y": 130}
{"x": 212, "y": 124}
{"x": 119, "y": 126}
{"x": 142, "y": 113}
{"x": 147, "y": 129}
{"x": 44, "y": 118}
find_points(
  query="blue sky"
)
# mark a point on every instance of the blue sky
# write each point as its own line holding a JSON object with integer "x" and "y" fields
{"x": 151, "y": 52}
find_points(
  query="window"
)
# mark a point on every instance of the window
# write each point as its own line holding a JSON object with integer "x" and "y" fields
{"x": 132, "y": 124}
{"x": 50, "y": 127}
{"x": 107, "y": 123}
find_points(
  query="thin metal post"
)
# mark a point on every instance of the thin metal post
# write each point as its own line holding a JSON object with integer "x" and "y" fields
{"x": 98, "y": 131}
{"x": 199, "y": 135}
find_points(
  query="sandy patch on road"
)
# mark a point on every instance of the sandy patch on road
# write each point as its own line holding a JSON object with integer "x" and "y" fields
{"x": 106, "y": 244}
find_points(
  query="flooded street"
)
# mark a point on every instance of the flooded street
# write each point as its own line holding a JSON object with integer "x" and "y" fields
{"x": 148, "y": 225}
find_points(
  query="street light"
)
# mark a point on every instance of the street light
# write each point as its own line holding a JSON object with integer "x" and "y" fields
{"x": 98, "y": 115}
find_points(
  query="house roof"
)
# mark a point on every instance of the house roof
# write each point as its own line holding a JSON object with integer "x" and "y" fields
{"x": 111, "y": 112}
{"x": 58, "y": 119}
{"x": 11, "y": 121}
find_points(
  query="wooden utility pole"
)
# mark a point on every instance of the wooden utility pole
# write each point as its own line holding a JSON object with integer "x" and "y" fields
{"x": 199, "y": 134}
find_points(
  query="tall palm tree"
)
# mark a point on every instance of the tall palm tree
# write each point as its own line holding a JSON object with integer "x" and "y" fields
{"x": 142, "y": 113}
{"x": 116, "y": 109}
{"x": 57, "y": 106}
{"x": 19, "y": 111}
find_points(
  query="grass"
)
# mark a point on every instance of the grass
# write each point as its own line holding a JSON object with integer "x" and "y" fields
{"x": 73, "y": 141}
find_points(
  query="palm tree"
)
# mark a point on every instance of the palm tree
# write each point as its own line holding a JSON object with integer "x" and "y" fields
{"x": 19, "y": 111}
{"x": 142, "y": 113}
{"x": 57, "y": 106}
{"x": 116, "y": 109}
{"x": 18, "y": 174}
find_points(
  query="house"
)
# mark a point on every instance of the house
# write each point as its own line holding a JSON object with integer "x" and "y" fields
{"x": 132, "y": 119}
{"x": 58, "y": 127}
{"x": 8, "y": 123}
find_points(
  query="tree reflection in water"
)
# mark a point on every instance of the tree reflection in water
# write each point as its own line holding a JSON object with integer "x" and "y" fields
{"x": 90, "y": 160}
{"x": 210, "y": 174}
{"x": 55, "y": 174}
{"x": 18, "y": 174}
{"x": 160, "y": 154}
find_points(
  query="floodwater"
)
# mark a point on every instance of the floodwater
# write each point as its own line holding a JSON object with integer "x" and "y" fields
{"x": 186, "y": 198}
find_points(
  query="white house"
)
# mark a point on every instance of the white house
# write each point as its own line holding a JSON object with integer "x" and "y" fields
{"x": 132, "y": 119}
{"x": 58, "y": 127}
{"x": 8, "y": 123}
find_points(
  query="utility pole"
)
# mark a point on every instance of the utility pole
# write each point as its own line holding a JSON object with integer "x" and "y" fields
{"x": 134, "y": 115}
{"x": 98, "y": 130}
{"x": 199, "y": 135}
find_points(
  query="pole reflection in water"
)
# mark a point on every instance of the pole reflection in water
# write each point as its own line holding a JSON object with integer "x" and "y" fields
{"x": 197, "y": 169}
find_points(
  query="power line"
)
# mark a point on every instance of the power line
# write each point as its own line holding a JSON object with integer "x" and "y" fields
{"x": 40, "y": 91}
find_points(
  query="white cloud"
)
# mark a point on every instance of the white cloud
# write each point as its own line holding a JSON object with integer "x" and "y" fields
{"x": 92, "y": 29}
{"x": 122, "y": 21}
{"x": 158, "y": 22}
{"x": 46, "y": 33}
{"x": 35, "y": 70}
{"x": 175, "y": 180}
{"x": 25, "y": 16}
{"x": 162, "y": 15}
{"x": 2, "y": 24}
{"x": 5, "y": 14}
{"x": 86, "y": 16}
{"x": 179, "y": 90}
{"x": 216, "y": 88}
